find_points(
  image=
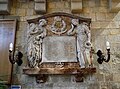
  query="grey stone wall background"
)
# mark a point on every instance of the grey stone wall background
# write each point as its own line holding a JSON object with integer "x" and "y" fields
{"x": 105, "y": 26}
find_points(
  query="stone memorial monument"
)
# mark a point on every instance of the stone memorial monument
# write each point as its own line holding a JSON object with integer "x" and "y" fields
{"x": 58, "y": 43}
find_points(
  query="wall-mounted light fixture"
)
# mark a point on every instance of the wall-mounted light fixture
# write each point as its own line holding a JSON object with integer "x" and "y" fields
{"x": 17, "y": 58}
{"x": 101, "y": 56}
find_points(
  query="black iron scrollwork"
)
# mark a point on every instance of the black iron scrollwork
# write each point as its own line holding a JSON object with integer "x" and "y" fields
{"x": 17, "y": 58}
{"x": 101, "y": 56}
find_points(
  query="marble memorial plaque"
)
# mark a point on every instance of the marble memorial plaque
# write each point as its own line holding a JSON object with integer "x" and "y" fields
{"x": 59, "y": 49}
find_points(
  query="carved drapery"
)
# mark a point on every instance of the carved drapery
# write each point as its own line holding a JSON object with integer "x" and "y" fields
{"x": 36, "y": 33}
{"x": 83, "y": 41}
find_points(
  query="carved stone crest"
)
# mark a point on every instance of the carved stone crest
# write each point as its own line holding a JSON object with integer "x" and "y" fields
{"x": 58, "y": 26}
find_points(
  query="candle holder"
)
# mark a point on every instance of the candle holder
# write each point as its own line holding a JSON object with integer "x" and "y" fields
{"x": 17, "y": 58}
{"x": 101, "y": 56}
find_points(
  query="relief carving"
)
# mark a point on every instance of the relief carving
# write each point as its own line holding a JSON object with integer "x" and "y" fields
{"x": 36, "y": 34}
{"x": 37, "y": 46}
{"x": 58, "y": 26}
{"x": 83, "y": 41}
{"x": 59, "y": 43}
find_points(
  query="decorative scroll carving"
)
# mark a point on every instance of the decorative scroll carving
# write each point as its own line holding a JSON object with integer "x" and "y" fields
{"x": 36, "y": 34}
{"x": 83, "y": 41}
{"x": 58, "y": 26}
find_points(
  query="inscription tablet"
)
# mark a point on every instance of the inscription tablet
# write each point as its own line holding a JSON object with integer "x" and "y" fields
{"x": 59, "y": 49}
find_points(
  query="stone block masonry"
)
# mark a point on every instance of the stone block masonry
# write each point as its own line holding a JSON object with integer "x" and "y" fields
{"x": 76, "y": 6}
{"x": 4, "y": 6}
{"x": 40, "y": 6}
{"x": 105, "y": 26}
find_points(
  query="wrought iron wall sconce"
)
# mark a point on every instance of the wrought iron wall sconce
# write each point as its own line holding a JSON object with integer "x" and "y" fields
{"x": 17, "y": 58}
{"x": 101, "y": 56}
{"x": 14, "y": 59}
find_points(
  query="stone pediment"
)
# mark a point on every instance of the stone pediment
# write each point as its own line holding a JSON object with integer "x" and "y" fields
{"x": 54, "y": 27}
{"x": 67, "y": 15}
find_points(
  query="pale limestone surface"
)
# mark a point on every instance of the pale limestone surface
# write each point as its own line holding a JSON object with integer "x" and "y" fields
{"x": 59, "y": 49}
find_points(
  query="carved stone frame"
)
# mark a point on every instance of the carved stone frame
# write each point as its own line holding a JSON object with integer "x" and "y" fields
{"x": 73, "y": 68}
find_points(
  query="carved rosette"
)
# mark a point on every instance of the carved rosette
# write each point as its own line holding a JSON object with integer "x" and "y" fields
{"x": 58, "y": 26}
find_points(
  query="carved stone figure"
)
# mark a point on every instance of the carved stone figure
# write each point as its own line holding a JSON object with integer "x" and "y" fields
{"x": 31, "y": 28}
{"x": 83, "y": 41}
{"x": 58, "y": 26}
{"x": 36, "y": 34}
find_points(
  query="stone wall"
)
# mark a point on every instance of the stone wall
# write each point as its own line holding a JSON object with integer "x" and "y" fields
{"x": 105, "y": 26}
